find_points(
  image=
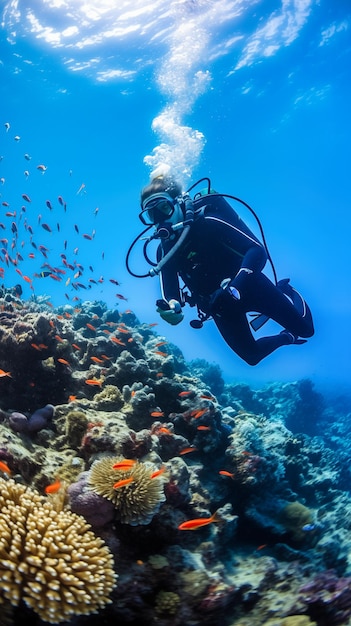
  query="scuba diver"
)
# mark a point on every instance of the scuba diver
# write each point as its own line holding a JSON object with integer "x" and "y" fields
{"x": 205, "y": 243}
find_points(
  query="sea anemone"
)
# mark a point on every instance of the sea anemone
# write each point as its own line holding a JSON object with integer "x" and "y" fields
{"x": 50, "y": 559}
{"x": 137, "y": 501}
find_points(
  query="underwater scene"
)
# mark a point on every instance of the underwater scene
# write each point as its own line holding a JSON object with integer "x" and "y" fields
{"x": 174, "y": 322}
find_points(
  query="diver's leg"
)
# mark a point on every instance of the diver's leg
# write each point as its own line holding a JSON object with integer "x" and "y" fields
{"x": 263, "y": 296}
{"x": 235, "y": 330}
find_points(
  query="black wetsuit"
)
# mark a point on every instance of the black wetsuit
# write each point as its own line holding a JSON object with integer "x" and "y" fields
{"x": 218, "y": 245}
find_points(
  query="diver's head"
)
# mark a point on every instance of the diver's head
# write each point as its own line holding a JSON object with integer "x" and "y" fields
{"x": 159, "y": 200}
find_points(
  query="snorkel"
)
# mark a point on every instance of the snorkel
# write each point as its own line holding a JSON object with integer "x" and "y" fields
{"x": 188, "y": 209}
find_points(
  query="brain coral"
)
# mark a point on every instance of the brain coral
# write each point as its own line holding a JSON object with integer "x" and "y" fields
{"x": 136, "y": 502}
{"x": 49, "y": 559}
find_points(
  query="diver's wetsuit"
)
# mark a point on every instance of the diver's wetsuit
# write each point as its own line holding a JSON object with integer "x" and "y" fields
{"x": 218, "y": 245}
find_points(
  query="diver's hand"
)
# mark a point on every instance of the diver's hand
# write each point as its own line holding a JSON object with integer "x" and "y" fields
{"x": 170, "y": 312}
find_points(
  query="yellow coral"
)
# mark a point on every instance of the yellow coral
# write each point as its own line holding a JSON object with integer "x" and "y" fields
{"x": 167, "y": 603}
{"x": 137, "y": 502}
{"x": 293, "y": 620}
{"x": 294, "y": 516}
{"x": 49, "y": 559}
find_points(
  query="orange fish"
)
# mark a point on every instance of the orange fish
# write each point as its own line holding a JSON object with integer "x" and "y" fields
{"x": 225, "y": 473}
{"x": 161, "y": 353}
{"x": 96, "y": 359}
{"x": 64, "y": 361}
{"x": 187, "y": 450}
{"x": 90, "y": 326}
{"x": 118, "y": 341}
{"x": 158, "y": 472}
{"x": 4, "y": 467}
{"x": 74, "y": 345}
{"x": 204, "y": 428}
{"x": 183, "y": 394}
{"x": 200, "y": 413}
{"x": 94, "y": 382}
{"x": 207, "y": 397}
{"x": 194, "y": 524}
{"x": 3, "y": 374}
{"x": 72, "y": 398}
{"x": 157, "y": 414}
{"x": 263, "y": 545}
{"x": 125, "y": 464}
{"x": 53, "y": 488}
{"x": 123, "y": 482}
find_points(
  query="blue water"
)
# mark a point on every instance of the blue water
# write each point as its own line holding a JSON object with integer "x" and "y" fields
{"x": 254, "y": 95}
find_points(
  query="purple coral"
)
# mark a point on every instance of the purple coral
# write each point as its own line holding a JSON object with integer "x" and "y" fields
{"x": 97, "y": 510}
{"x": 328, "y": 597}
{"x": 33, "y": 424}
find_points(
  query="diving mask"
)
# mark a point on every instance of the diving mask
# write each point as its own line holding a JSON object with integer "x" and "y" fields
{"x": 157, "y": 208}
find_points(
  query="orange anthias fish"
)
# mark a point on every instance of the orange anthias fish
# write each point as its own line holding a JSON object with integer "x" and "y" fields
{"x": 94, "y": 381}
{"x": 4, "y": 468}
{"x": 124, "y": 464}
{"x": 158, "y": 472}
{"x": 118, "y": 341}
{"x": 194, "y": 524}
{"x": 64, "y": 362}
{"x": 3, "y": 373}
{"x": 123, "y": 482}
{"x": 226, "y": 473}
{"x": 187, "y": 450}
{"x": 53, "y": 488}
{"x": 200, "y": 413}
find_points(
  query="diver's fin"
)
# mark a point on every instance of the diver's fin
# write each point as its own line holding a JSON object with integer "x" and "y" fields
{"x": 258, "y": 321}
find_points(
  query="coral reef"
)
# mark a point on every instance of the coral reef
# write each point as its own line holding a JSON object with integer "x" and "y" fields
{"x": 267, "y": 469}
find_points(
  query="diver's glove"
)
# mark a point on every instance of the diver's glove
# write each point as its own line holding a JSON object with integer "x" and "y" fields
{"x": 170, "y": 312}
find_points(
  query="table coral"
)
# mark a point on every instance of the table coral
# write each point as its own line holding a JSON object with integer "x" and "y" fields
{"x": 49, "y": 559}
{"x": 137, "y": 502}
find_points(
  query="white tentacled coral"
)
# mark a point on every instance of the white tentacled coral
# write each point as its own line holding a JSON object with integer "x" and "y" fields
{"x": 139, "y": 499}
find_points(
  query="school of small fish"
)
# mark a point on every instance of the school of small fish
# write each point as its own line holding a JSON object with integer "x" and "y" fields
{"x": 29, "y": 224}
